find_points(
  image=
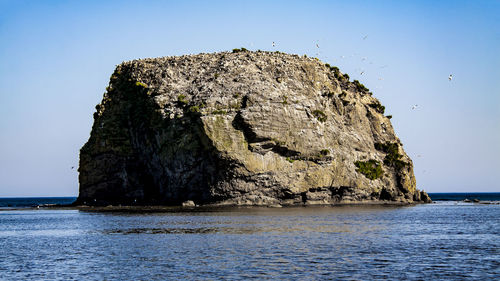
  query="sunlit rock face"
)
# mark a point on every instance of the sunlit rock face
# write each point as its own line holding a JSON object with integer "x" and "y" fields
{"x": 241, "y": 128}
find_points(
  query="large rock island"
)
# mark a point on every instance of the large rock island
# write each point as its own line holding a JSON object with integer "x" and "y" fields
{"x": 241, "y": 128}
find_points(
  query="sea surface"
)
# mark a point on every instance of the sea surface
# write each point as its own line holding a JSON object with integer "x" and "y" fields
{"x": 444, "y": 240}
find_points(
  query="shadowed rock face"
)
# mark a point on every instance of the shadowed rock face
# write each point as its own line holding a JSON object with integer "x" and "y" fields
{"x": 245, "y": 128}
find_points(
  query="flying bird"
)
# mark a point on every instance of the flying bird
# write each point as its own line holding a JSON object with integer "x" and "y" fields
{"x": 317, "y": 46}
{"x": 274, "y": 44}
{"x": 72, "y": 167}
{"x": 450, "y": 77}
{"x": 362, "y": 72}
{"x": 365, "y": 37}
{"x": 414, "y": 107}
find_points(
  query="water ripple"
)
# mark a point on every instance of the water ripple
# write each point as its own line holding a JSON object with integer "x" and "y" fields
{"x": 425, "y": 242}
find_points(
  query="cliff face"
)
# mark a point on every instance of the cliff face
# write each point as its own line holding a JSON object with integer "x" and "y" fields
{"x": 246, "y": 128}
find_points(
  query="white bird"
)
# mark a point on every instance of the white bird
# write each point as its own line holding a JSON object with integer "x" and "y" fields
{"x": 274, "y": 44}
{"x": 450, "y": 77}
{"x": 414, "y": 107}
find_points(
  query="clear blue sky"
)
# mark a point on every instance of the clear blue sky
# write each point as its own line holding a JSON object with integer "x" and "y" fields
{"x": 56, "y": 58}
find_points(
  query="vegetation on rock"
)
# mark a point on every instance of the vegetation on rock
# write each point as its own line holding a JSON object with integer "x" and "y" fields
{"x": 392, "y": 158}
{"x": 240, "y": 50}
{"x": 378, "y": 107}
{"x": 140, "y": 84}
{"x": 194, "y": 108}
{"x": 360, "y": 86}
{"x": 285, "y": 100}
{"x": 320, "y": 115}
{"x": 181, "y": 99}
{"x": 219, "y": 111}
{"x": 371, "y": 169}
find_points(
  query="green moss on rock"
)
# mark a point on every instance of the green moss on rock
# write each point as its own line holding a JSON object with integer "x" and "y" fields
{"x": 219, "y": 112}
{"x": 240, "y": 50}
{"x": 320, "y": 115}
{"x": 360, "y": 86}
{"x": 140, "y": 84}
{"x": 378, "y": 107}
{"x": 181, "y": 99}
{"x": 194, "y": 108}
{"x": 371, "y": 169}
{"x": 392, "y": 158}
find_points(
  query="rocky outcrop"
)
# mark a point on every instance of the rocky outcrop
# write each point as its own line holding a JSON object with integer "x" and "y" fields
{"x": 244, "y": 128}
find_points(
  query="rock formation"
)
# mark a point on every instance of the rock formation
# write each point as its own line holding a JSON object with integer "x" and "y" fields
{"x": 243, "y": 128}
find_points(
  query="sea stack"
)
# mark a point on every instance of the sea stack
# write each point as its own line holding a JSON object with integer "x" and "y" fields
{"x": 241, "y": 128}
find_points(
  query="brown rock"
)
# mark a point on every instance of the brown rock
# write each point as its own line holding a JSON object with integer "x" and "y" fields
{"x": 222, "y": 128}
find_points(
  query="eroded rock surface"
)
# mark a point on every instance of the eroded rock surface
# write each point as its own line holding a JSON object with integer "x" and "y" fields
{"x": 245, "y": 128}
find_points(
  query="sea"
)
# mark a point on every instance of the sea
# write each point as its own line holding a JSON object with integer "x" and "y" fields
{"x": 447, "y": 240}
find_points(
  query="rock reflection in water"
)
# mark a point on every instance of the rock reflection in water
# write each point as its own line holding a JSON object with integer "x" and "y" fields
{"x": 257, "y": 220}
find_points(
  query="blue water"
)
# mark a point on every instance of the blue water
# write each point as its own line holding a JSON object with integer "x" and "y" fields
{"x": 482, "y": 196}
{"x": 23, "y": 202}
{"x": 445, "y": 240}
{"x": 34, "y": 201}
